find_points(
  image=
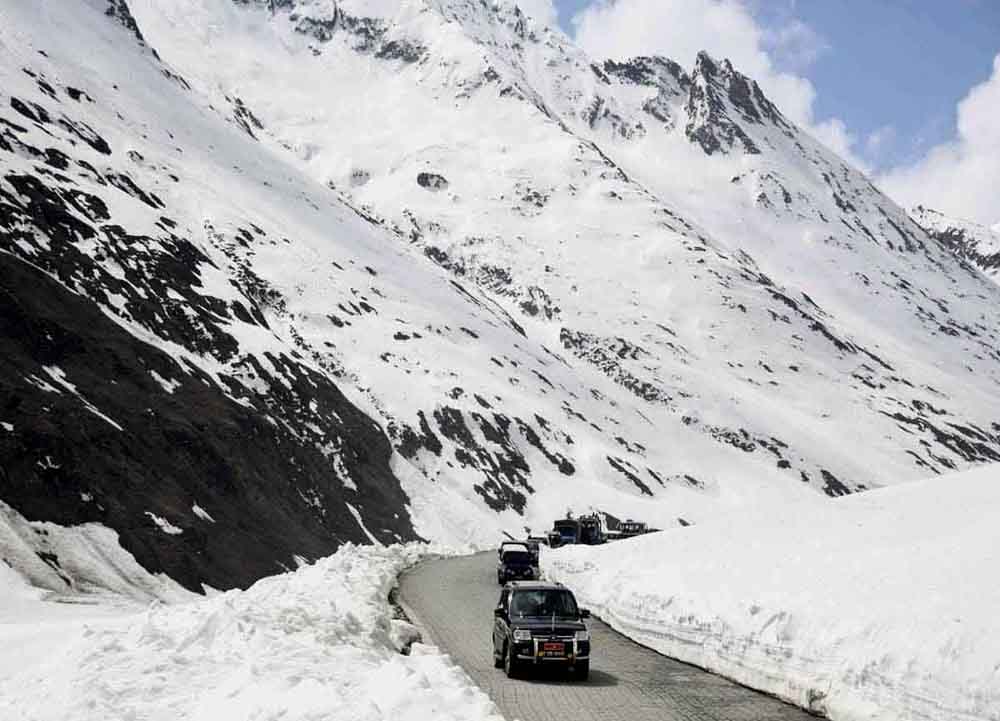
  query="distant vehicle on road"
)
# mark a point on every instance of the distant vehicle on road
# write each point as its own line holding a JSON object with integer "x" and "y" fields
{"x": 537, "y": 624}
{"x": 516, "y": 561}
{"x": 630, "y": 528}
{"x": 586, "y": 530}
{"x": 532, "y": 543}
{"x": 511, "y": 545}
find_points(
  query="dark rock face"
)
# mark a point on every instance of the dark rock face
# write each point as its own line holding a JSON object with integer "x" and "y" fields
{"x": 612, "y": 357}
{"x": 100, "y": 426}
{"x": 658, "y": 72}
{"x": 402, "y": 50}
{"x": 432, "y": 181}
{"x": 720, "y": 100}
{"x": 245, "y": 119}
{"x": 498, "y": 458}
{"x": 97, "y": 438}
{"x": 119, "y": 10}
{"x": 966, "y": 240}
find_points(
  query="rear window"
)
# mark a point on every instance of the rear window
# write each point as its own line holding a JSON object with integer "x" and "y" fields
{"x": 521, "y": 557}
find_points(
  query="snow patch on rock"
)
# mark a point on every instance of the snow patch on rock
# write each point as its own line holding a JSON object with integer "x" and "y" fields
{"x": 202, "y": 513}
{"x": 165, "y": 525}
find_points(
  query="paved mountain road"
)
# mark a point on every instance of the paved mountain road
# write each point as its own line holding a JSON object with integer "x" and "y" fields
{"x": 453, "y": 599}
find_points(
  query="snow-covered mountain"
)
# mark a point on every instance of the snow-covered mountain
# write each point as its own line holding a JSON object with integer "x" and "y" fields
{"x": 278, "y": 275}
{"x": 976, "y": 243}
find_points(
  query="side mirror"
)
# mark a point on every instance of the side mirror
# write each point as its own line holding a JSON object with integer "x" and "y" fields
{"x": 498, "y": 612}
{"x": 584, "y": 613}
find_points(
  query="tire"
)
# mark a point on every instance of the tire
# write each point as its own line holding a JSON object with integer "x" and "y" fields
{"x": 582, "y": 670}
{"x": 511, "y": 666}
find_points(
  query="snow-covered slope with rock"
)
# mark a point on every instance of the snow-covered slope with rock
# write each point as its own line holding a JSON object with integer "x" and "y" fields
{"x": 975, "y": 243}
{"x": 655, "y": 218}
{"x": 280, "y": 275}
{"x": 880, "y": 606}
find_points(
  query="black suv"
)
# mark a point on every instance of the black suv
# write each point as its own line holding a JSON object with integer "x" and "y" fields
{"x": 539, "y": 623}
{"x": 516, "y": 561}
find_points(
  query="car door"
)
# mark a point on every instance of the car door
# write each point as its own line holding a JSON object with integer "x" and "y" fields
{"x": 499, "y": 622}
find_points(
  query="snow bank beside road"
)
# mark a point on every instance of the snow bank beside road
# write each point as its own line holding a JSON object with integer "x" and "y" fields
{"x": 881, "y": 606}
{"x": 316, "y": 643}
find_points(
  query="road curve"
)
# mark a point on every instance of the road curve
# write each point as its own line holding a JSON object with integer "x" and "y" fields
{"x": 452, "y": 600}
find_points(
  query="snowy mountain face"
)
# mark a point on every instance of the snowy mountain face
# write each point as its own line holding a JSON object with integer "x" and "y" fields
{"x": 322, "y": 271}
{"x": 971, "y": 241}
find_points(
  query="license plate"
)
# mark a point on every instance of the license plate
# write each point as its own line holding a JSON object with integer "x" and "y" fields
{"x": 554, "y": 648}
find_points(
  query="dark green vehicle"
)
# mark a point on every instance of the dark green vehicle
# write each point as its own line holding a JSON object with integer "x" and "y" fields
{"x": 516, "y": 561}
{"x": 539, "y": 624}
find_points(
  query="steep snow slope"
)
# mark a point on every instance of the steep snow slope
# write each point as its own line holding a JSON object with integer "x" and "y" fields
{"x": 878, "y": 606}
{"x": 198, "y": 340}
{"x": 974, "y": 242}
{"x": 670, "y": 228}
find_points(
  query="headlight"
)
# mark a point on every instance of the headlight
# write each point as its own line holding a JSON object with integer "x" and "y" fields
{"x": 583, "y": 635}
{"x": 522, "y": 634}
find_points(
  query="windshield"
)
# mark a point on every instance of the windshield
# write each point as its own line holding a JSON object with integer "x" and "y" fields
{"x": 517, "y": 558}
{"x": 543, "y": 602}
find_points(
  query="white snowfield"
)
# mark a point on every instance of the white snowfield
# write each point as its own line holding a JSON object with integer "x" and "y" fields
{"x": 319, "y": 643}
{"x": 881, "y": 606}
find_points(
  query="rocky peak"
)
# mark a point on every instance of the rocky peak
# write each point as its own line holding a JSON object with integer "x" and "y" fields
{"x": 721, "y": 102}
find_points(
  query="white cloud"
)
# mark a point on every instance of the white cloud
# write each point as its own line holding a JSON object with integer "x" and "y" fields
{"x": 960, "y": 177}
{"x": 794, "y": 45}
{"x": 542, "y": 12}
{"x": 880, "y": 140}
{"x": 679, "y": 29}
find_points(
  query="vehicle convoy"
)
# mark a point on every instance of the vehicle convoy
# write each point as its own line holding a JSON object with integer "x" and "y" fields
{"x": 537, "y": 624}
{"x": 516, "y": 561}
{"x": 586, "y": 530}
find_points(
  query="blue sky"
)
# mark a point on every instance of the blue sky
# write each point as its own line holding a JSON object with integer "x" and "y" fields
{"x": 892, "y": 70}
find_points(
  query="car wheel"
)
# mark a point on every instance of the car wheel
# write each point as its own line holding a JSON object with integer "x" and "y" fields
{"x": 510, "y": 664}
{"x": 582, "y": 670}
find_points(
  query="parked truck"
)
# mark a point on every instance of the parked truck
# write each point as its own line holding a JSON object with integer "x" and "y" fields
{"x": 585, "y": 530}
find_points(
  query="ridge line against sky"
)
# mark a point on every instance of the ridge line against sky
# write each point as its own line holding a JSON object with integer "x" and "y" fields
{"x": 906, "y": 90}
